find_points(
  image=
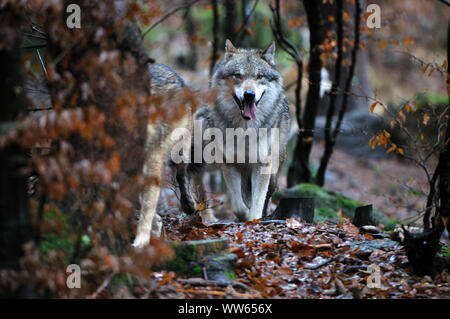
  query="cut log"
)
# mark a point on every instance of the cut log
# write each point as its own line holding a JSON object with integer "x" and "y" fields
{"x": 302, "y": 207}
{"x": 363, "y": 216}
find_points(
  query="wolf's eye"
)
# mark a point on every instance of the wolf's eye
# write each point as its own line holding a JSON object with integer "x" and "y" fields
{"x": 260, "y": 76}
{"x": 237, "y": 76}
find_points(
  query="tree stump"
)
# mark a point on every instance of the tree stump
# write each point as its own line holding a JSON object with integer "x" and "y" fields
{"x": 363, "y": 216}
{"x": 302, "y": 207}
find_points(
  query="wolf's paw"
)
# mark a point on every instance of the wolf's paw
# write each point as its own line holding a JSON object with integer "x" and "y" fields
{"x": 141, "y": 241}
{"x": 208, "y": 215}
{"x": 242, "y": 216}
{"x": 157, "y": 226}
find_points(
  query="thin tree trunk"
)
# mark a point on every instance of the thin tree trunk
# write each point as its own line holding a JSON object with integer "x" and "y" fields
{"x": 215, "y": 34}
{"x": 329, "y": 143}
{"x": 230, "y": 20}
{"x": 301, "y": 173}
{"x": 331, "y": 134}
{"x": 442, "y": 221}
{"x": 191, "y": 62}
{"x": 245, "y": 8}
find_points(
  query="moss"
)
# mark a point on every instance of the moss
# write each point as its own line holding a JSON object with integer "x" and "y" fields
{"x": 445, "y": 251}
{"x": 197, "y": 270}
{"x": 323, "y": 214}
{"x": 57, "y": 241}
{"x": 52, "y": 241}
{"x": 389, "y": 225}
{"x": 432, "y": 98}
{"x": 183, "y": 254}
{"x": 230, "y": 274}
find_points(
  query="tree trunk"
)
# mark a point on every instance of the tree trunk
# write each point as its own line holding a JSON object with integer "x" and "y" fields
{"x": 215, "y": 36}
{"x": 15, "y": 223}
{"x": 442, "y": 221}
{"x": 230, "y": 20}
{"x": 299, "y": 171}
{"x": 363, "y": 216}
{"x": 246, "y": 6}
{"x": 191, "y": 59}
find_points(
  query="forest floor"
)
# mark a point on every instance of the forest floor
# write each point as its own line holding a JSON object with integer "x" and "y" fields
{"x": 291, "y": 259}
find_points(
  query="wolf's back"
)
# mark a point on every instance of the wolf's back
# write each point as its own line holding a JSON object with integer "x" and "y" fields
{"x": 163, "y": 78}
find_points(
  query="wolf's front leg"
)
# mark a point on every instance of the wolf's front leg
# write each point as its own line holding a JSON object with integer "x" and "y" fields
{"x": 148, "y": 211}
{"x": 149, "y": 199}
{"x": 260, "y": 185}
{"x": 233, "y": 180}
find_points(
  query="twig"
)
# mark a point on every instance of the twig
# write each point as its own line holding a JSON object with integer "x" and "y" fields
{"x": 168, "y": 14}
{"x": 102, "y": 286}
{"x": 220, "y": 293}
{"x": 35, "y": 36}
{"x": 244, "y": 23}
{"x": 42, "y": 62}
{"x": 318, "y": 265}
{"x": 203, "y": 282}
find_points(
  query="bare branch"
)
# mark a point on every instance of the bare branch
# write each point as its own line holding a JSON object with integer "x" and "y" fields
{"x": 168, "y": 14}
{"x": 241, "y": 29}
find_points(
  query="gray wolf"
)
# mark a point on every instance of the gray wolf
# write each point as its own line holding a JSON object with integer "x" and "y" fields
{"x": 250, "y": 95}
{"x": 159, "y": 140}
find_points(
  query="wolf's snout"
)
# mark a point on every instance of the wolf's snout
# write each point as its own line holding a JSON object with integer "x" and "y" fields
{"x": 249, "y": 96}
{"x": 247, "y": 104}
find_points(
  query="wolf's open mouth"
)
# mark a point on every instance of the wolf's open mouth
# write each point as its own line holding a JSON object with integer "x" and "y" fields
{"x": 248, "y": 107}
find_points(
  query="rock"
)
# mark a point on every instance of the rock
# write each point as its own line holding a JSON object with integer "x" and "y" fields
{"x": 372, "y": 245}
{"x": 370, "y": 229}
{"x": 354, "y": 268}
{"x": 207, "y": 258}
{"x": 220, "y": 268}
{"x": 363, "y": 254}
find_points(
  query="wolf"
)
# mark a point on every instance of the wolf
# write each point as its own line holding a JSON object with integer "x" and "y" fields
{"x": 159, "y": 142}
{"x": 250, "y": 95}
{"x": 163, "y": 80}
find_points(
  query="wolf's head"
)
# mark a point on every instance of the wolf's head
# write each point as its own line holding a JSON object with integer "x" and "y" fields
{"x": 247, "y": 77}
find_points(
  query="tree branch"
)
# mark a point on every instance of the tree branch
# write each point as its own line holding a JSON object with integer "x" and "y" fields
{"x": 167, "y": 15}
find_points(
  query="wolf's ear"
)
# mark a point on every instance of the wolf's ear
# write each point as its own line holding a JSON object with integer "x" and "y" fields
{"x": 229, "y": 48}
{"x": 268, "y": 53}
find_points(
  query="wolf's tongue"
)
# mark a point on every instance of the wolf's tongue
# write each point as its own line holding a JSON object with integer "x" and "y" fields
{"x": 250, "y": 110}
